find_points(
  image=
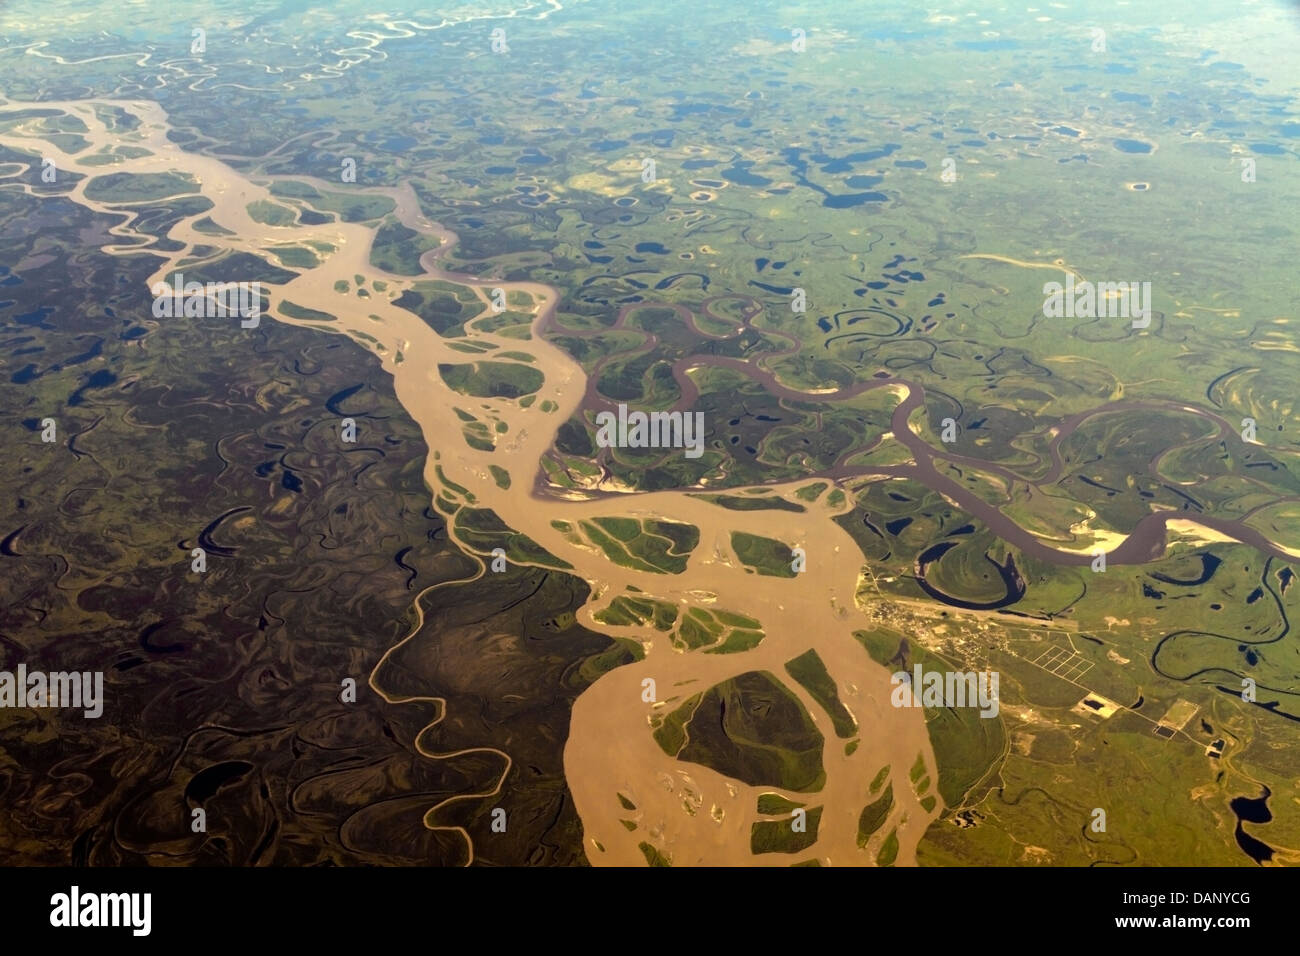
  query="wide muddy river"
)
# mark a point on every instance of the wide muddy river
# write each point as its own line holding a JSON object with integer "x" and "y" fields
{"x": 689, "y": 812}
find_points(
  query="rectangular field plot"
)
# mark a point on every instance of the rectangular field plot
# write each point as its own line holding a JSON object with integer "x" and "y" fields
{"x": 1062, "y": 662}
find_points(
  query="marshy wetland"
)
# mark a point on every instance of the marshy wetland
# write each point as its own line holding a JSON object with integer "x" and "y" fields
{"x": 473, "y": 248}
